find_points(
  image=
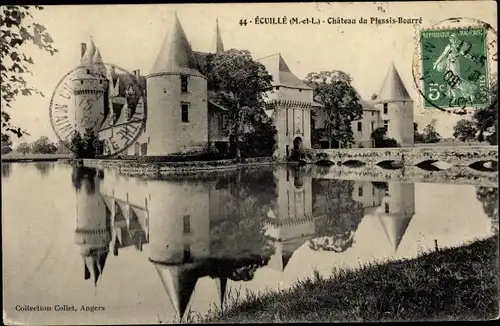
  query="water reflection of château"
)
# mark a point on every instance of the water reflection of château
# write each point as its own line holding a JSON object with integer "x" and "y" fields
{"x": 227, "y": 225}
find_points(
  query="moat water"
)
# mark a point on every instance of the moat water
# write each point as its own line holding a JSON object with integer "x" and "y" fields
{"x": 142, "y": 249}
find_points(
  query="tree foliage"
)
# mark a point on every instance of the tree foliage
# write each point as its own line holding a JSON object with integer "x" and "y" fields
{"x": 484, "y": 121}
{"x": 380, "y": 139}
{"x": 465, "y": 130}
{"x": 340, "y": 102}
{"x": 488, "y": 196}
{"x": 18, "y": 29}
{"x": 333, "y": 200}
{"x": 87, "y": 146}
{"x": 430, "y": 134}
{"x": 417, "y": 137}
{"x": 238, "y": 83}
{"x": 43, "y": 146}
{"x": 238, "y": 242}
{"x": 23, "y": 148}
{"x": 6, "y": 144}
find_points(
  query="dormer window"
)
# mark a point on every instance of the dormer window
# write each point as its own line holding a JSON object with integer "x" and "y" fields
{"x": 184, "y": 84}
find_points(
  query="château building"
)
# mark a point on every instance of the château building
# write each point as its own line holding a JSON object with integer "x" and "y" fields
{"x": 183, "y": 117}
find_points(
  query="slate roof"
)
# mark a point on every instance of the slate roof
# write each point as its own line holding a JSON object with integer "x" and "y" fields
{"x": 176, "y": 54}
{"x": 393, "y": 88}
{"x": 282, "y": 75}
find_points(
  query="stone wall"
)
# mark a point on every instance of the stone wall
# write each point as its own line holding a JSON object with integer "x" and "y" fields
{"x": 409, "y": 156}
{"x": 131, "y": 167}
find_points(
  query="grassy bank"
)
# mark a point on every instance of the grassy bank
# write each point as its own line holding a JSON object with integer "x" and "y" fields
{"x": 450, "y": 284}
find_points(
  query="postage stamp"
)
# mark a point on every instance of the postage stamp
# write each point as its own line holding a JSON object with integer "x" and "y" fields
{"x": 455, "y": 65}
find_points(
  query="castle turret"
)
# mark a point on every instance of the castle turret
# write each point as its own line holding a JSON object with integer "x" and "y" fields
{"x": 93, "y": 233}
{"x": 177, "y": 98}
{"x": 397, "y": 210}
{"x": 179, "y": 238}
{"x": 218, "y": 45}
{"x": 291, "y": 99}
{"x": 397, "y": 108}
{"x": 89, "y": 86}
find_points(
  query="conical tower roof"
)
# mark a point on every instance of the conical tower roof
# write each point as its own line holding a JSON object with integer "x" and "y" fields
{"x": 88, "y": 56}
{"x": 393, "y": 88}
{"x": 218, "y": 45}
{"x": 176, "y": 55}
{"x": 179, "y": 281}
{"x": 282, "y": 75}
{"x": 97, "y": 61}
{"x": 394, "y": 228}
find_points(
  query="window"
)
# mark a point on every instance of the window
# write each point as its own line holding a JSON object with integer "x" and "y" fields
{"x": 385, "y": 108}
{"x": 372, "y": 125}
{"x": 387, "y": 207}
{"x": 88, "y": 71}
{"x": 187, "y": 224}
{"x": 187, "y": 253}
{"x": 277, "y": 88}
{"x": 373, "y": 113}
{"x": 386, "y": 124}
{"x": 373, "y": 192}
{"x": 360, "y": 125}
{"x": 224, "y": 121}
{"x": 360, "y": 191}
{"x": 185, "y": 112}
{"x": 184, "y": 84}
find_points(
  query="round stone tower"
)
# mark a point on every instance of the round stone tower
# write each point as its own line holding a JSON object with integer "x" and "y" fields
{"x": 93, "y": 232}
{"x": 177, "y": 118}
{"x": 396, "y": 211}
{"x": 396, "y": 108}
{"x": 89, "y": 88}
{"x": 179, "y": 239}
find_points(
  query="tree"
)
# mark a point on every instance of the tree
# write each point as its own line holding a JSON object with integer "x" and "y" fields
{"x": 488, "y": 197}
{"x": 238, "y": 83}
{"x": 63, "y": 147}
{"x": 340, "y": 214}
{"x": 430, "y": 134}
{"x": 76, "y": 145}
{"x": 340, "y": 102}
{"x": 43, "y": 146}
{"x": 379, "y": 137}
{"x": 23, "y": 148}
{"x": 90, "y": 143}
{"x": 6, "y": 144}
{"x": 486, "y": 119}
{"x": 465, "y": 130}
{"x": 17, "y": 29}
{"x": 260, "y": 140}
{"x": 238, "y": 242}
{"x": 417, "y": 137}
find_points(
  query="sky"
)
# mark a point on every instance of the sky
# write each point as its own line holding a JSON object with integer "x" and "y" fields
{"x": 130, "y": 37}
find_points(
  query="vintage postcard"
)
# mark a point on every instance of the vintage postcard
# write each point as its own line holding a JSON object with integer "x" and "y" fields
{"x": 249, "y": 162}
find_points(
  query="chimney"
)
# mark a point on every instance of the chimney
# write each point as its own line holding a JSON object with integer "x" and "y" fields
{"x": 137, "y": 73}
{"x": 112, "y": 70}
{"x": 83, "y": 47}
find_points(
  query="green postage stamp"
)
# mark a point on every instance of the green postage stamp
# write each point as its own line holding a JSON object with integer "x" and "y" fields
{"x": 454, "y": 68}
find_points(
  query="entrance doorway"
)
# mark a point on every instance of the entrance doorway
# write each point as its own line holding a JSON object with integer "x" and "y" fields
{"x": 297, "y": 144}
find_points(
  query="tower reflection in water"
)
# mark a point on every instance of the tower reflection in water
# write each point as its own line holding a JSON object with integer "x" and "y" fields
{"x": 227, "y": 225}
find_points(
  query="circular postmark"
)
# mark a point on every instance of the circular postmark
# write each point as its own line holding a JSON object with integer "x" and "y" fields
{"x": 109, "y": 100}
{"x": 454, "y": 65}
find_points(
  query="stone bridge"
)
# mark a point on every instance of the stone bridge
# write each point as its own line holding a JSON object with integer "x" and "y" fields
{"x": 409, "y": 156}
